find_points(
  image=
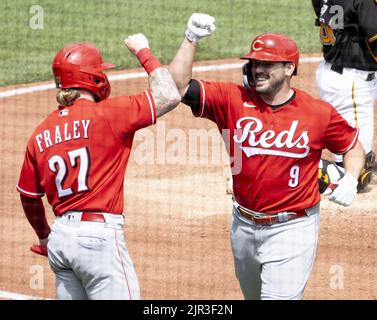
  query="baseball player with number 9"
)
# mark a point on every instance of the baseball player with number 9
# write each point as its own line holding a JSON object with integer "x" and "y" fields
{"x": 281, "y": 131}
{"x": 78, "y": 156}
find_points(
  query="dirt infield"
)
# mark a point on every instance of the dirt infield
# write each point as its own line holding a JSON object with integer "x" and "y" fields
{"x": 178, "y": 215}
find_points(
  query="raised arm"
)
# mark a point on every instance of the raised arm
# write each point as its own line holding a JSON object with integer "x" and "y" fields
{"x": 199, "y": 25}
{"x": 162, "y": 85}
{"x": 181, "y": 66}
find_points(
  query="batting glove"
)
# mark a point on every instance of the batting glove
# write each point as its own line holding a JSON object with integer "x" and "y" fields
{"x": 136, "y": 42}
{"x": 345, "y": 192}
{"x": 200, "y": 25}
{"x": 40, "y": 248}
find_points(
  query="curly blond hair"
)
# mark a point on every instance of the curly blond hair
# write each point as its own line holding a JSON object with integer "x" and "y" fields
{"x": 67, "y": 97}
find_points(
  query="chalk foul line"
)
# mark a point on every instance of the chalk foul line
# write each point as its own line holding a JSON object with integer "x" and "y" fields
{"x": 18, "y": 296}
{"x": 135, "y": 75}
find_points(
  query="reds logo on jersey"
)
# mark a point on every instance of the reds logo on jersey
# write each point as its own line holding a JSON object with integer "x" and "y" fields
{"x": 269, "y": 142}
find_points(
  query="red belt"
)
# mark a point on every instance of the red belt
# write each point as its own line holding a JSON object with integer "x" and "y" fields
{"x": 270, "y": 218}
{"x": 93, "y": 216}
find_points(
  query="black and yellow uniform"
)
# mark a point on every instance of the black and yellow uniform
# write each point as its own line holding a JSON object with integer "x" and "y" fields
{"x": 348, "y": 31}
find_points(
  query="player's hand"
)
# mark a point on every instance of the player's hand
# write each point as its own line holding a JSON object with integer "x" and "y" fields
{"x": 136, "y": 42}
{"x": 344, "y": 192}
{"x": 40, "y": 248}
{"x": 200, "y": 25}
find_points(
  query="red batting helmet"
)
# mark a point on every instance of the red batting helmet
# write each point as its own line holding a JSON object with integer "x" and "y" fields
{"x": 274, "y": 47}
{"x": 80, "y": 65}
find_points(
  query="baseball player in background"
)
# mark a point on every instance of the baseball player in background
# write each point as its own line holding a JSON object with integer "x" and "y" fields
{"x": 78, "y": 156}
{"x": 346, "y": 78}
{"x": 281, "y": 132}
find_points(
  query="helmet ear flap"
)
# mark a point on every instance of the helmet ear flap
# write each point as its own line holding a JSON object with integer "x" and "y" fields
{"x": 247, "y": 75}
{"x": 96, "y": 80}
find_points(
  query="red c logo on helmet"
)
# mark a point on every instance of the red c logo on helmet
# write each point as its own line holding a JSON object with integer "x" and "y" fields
{"x": 275, "y": 47}
{"x": 258, "y": 45}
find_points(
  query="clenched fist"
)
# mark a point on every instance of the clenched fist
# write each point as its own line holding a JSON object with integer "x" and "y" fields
{"x": 136, "y": 42}
{"x": 200, "y": 25}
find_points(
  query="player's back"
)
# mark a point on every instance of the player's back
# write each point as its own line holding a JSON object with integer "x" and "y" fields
{"x": 81, "y": 162}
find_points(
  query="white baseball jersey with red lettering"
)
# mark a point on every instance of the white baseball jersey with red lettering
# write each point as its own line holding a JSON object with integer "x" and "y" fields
{"x": 281, "y": 147}
{"x": 78, "y": 155}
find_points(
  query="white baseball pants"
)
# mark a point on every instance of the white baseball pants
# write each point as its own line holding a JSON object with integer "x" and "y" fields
{"x": 90, "y": 259}
{"x": 352, "y": 96}
{"x": 274, "y": 262}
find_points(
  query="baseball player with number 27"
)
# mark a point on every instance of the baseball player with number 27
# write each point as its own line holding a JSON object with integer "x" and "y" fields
{"x": 78, "y": 156}
{"x": 281, "y": 132}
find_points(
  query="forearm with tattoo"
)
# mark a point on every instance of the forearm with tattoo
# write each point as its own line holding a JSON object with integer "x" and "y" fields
{"x": 164, "y": 91}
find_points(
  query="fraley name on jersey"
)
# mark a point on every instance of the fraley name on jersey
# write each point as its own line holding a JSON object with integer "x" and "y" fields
{"x": 75, "y": 130}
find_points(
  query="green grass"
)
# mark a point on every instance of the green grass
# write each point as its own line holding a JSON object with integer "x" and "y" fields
{"x": 26, "y": 54}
